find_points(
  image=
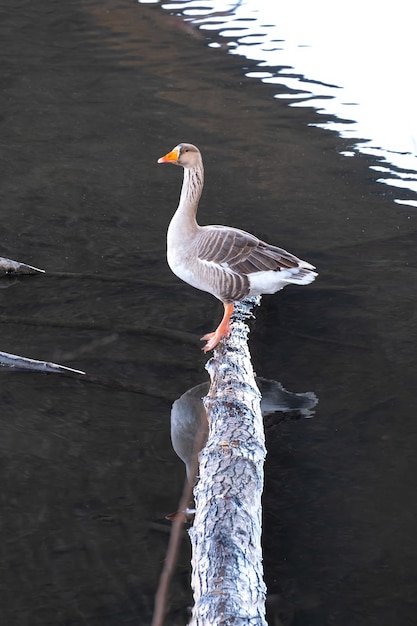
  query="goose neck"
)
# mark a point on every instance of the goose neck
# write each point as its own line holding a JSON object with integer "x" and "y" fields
{"x": 192, "y": 188}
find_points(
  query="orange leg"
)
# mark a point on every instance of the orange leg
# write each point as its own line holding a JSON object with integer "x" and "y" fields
{"x": 223, "y": 329}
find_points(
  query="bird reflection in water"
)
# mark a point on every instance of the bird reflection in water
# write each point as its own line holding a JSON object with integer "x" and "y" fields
{"x": 189, "y": 426}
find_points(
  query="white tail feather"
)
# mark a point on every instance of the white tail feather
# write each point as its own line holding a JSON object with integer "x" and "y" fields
{"x": 271, "y": 281}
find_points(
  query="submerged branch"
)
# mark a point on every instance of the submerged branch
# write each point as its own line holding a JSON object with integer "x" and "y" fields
{"x": 23, "y": 363}
{"x": 9, "y": 267}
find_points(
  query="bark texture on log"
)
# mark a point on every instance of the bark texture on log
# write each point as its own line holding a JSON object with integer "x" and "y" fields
{"x": 227, "y": 576}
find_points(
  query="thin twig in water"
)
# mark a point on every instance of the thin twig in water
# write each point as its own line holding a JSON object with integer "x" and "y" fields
{"x": 161, "y": 597}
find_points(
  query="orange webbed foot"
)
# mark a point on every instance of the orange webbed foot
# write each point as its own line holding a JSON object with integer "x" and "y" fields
{"x": 223, "y": 329}
{"x": 214, "y": 338}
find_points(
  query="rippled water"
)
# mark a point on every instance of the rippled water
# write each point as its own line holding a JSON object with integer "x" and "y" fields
{"x": 353, "y": 63}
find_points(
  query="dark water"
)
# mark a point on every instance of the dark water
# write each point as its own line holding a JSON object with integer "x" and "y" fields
{"x": 91, "y": 96}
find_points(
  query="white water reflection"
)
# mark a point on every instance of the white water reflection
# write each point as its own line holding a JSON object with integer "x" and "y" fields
{"x": 352, "y": 61}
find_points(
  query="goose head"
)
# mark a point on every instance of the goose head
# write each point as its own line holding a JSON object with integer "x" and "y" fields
{"x": 184, "y": 154}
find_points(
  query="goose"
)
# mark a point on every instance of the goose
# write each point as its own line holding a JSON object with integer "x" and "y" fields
{"x": 227, "y": 262}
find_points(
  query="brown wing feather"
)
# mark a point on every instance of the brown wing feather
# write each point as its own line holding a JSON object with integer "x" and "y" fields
{"x": 241, "y": 252}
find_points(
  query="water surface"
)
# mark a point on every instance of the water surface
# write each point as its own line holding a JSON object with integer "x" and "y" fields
{"x": 352, "y": 65}
{"x": 93, "y": 94}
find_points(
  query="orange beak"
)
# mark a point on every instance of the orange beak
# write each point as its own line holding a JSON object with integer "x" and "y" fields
{"x": 171, "y": 157}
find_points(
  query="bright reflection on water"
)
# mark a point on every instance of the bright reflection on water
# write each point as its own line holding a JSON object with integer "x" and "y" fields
{"x": 354, "y": 63}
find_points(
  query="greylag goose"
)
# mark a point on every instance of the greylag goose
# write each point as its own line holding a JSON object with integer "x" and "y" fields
{"x": 227, "y": 262}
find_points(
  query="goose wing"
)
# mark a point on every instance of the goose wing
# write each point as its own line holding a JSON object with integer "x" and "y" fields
{"x": 242, "y": 253}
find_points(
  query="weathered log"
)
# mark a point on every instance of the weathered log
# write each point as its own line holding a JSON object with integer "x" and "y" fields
{"x": 227, "y": 573}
